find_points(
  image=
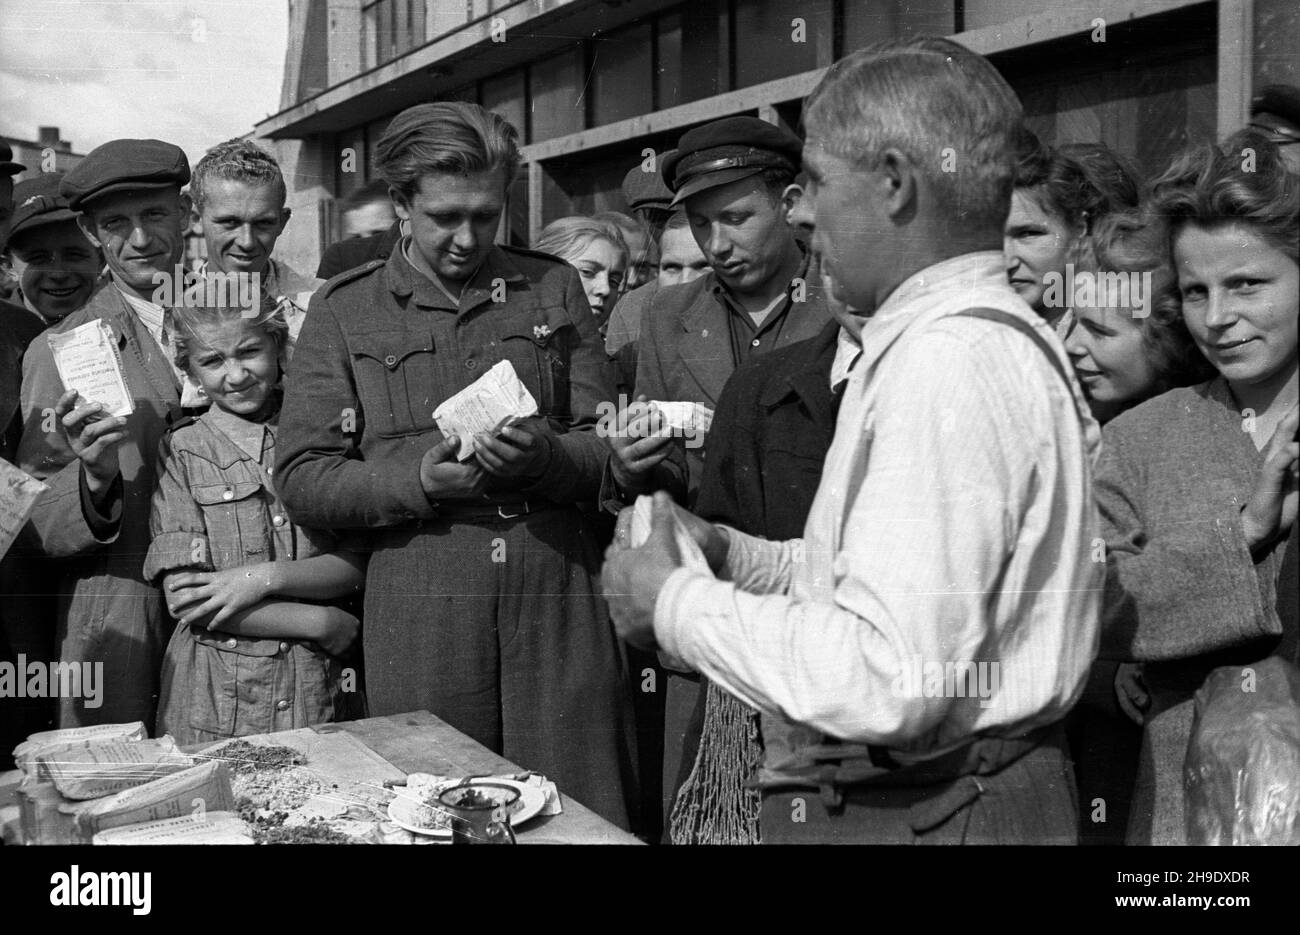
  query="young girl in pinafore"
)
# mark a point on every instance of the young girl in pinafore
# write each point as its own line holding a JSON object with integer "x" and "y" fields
{"x": 258, "y": 638}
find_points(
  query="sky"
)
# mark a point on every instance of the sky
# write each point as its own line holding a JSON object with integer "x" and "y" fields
{"x": 192, "y": 72}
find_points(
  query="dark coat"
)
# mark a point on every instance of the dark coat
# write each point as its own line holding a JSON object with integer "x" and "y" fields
{"x": 684, "y": 354}
{"x": 772, "y": 429}
{"x": 18, "y": 328}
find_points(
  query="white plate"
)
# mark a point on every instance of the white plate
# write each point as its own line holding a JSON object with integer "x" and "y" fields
{"x": 405, "y": 809}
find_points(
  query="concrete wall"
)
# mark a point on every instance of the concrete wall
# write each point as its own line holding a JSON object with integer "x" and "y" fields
{"x": 1277, "y": 39}
{"x": 344, "y": 40}
{"x": 308, "y": 170}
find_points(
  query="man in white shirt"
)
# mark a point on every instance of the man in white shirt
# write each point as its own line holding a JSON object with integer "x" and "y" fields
{"x": 239, "y": 194}
{"x": 914, "y": 653}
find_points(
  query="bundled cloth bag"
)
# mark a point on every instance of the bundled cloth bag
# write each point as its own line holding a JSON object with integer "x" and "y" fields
{"x": 1241, "y": 777}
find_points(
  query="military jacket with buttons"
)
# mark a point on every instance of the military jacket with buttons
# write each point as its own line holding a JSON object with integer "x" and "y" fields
{"x": 216, "y": 508}
{"x": 383, "y": 346}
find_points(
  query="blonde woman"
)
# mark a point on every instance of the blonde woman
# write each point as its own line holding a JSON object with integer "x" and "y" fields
{"x": 597, "y": 250}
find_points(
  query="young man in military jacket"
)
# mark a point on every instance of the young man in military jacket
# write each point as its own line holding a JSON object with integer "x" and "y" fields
{"x": 481, "y": 602}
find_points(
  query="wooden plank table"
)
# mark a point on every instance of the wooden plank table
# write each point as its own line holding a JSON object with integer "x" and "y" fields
{"x": 416, "y": 742}
{"x": 419, "y": 742}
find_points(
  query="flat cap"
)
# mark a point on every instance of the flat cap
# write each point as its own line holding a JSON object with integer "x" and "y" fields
{"x": 647, "y": 189}
{"x": 726, "y": 151}
{"x": 7, "y": 164}
{"x": 37, "y": 202}
{"x": 124, "y": 165}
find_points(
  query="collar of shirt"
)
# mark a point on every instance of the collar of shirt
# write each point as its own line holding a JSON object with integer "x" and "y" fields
{"x": 27, "y": 304}
{"x": 428, "y": 274}
{"x": 780, "y": 303}
{"x": 935, "y": 288}
{"x": 151, "y": 315}
{"x": 255, "y": 439}
{"x": 405, "y": 280}
{"x": 847, "y": 352}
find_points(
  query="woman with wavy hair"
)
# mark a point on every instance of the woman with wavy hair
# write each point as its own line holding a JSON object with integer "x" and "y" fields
{"x": 1128, "y": 341}
{"x": 1197, "y": 486}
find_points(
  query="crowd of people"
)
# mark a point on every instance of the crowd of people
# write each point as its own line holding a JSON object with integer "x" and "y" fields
{"x": 967, "y": 470}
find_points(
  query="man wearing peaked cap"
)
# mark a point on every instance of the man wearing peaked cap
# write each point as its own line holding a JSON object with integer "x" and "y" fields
{"x": 57, "y": 267}
{"x": 725, "y": 151}
{"x": 1275, "y": 111}
{"x": 733, "y": 178}
{"x": 101, "y": 469}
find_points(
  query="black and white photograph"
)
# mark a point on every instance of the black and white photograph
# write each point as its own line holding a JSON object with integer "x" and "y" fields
{"x": 651, "y": 423}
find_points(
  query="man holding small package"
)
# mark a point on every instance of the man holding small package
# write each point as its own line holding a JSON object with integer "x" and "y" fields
{"x": 99, "y": 462}
{"x": 481, "y": 597}
{"x": 733, "y": 179}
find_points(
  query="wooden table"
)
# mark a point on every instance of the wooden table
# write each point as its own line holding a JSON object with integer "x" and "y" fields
{"x": 419, "y": 742}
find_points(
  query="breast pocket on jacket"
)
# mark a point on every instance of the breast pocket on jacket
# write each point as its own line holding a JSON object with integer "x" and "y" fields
{"x": 396, "y": 380}
{"x": 540, "y": 356}
{"x": 234, "y": 512}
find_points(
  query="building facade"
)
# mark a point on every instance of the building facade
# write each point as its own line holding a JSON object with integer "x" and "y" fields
{"x": 597, "y": 86}
{"x": 47, "y": 153}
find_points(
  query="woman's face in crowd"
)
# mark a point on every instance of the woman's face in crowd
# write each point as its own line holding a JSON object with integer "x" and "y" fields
{"x": 1036, "y": 242}
{"x": 237, "y": 365}
{"x": 1240, "y": 300}
{"x": 1109, "y": 356}
{"x": 601, "y": 266}
{"x": 56, "y": 266}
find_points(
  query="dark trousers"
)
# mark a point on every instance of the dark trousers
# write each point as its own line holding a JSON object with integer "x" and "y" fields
{"x": 498, "y": 628}
{"x": 1104, "y": 748}
{"x": 1030, "y": 801}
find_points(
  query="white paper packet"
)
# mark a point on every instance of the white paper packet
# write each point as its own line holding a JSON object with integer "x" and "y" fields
{"x": 642, "y": 511}
{"x": 51, "y": 741}
{"x": 685, "y": 418}
{"x": 93, "y": 770}
{"x": 88, "y": 361}
{"x": 18, "y": 494}
{"x": 199, "y": 789}
{"x": 491, "y": 402}
{"x": 196, "y": 828}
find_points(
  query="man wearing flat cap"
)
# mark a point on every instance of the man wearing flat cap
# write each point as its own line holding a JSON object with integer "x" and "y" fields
{"x": 100, "y": 468}
{"x": 731, "y": 176}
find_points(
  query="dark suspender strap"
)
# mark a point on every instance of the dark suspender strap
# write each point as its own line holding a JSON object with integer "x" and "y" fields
{"x": 1028, "y": 330}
